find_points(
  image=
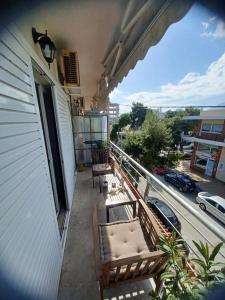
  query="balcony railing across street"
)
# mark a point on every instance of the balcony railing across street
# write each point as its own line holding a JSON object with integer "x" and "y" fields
{"x": 194, "y": 225}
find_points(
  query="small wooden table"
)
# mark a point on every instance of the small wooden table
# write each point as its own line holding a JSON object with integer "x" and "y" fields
{"x": 119, "y": 198}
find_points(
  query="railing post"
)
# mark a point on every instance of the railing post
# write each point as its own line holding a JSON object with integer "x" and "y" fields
{"x": 147, "y": 188}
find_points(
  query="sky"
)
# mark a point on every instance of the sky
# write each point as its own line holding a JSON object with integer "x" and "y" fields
{"x": 187, "y": 67}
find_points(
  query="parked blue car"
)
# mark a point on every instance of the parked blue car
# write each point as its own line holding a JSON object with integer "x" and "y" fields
{"x": 183, "y": 182}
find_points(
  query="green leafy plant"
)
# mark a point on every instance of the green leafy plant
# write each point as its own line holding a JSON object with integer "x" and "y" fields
{"x": 185, "y": 278}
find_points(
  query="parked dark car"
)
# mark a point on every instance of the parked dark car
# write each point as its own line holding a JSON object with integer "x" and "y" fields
{"x": 183, "y": 182}
{"x": 164, "y": 212}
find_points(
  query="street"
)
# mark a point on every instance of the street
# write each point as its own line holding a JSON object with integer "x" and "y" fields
{"x": 192, "y": 228}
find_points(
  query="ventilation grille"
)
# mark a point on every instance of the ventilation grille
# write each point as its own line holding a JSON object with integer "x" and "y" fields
{"x": 70, "y": 68}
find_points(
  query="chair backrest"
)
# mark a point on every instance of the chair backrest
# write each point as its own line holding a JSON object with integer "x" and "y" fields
{"x": 100, "y": 156}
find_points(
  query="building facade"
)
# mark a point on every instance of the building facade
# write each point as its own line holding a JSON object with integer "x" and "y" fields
{"x": 113, "y": 112}
{"x": 208, "y": 154}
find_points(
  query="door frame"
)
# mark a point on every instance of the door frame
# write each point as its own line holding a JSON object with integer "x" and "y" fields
{"x": 54, "y": 99}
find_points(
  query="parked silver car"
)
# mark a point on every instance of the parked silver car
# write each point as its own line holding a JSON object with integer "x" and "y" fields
{"x": 213, "y": 204}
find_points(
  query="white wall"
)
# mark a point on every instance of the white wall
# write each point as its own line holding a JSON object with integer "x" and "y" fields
{"x": 30, "y": 247}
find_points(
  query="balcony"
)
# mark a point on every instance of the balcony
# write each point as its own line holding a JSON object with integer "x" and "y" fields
{"x": 78, "y": 278}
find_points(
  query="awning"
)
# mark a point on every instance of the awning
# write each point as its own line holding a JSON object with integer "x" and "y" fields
{"x": 203, "y": 141}
{"x": 206, "y": 117}
{"x": 145, "y": 29}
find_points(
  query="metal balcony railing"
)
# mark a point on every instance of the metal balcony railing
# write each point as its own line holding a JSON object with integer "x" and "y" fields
{"x": 194, "y": 224}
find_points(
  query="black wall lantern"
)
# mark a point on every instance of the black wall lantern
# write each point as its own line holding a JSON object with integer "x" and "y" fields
{"x": 47, "y": 46}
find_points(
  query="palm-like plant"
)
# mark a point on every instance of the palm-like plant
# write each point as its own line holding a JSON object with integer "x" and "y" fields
{"x": 208, "y": 275}
{"x": 178, "y": 277}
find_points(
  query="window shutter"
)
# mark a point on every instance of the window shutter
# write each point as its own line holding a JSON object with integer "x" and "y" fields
{"x": 70, "y": 68}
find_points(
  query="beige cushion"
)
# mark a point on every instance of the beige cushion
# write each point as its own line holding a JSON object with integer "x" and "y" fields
{"x": 121, "y": 239}
{"x": 101, "y": 167}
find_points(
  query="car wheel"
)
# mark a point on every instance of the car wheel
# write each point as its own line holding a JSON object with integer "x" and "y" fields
{"x": 202, "y": 206}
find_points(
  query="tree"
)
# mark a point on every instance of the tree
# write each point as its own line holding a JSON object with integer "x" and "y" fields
{"x": 146, "y": 144}
{"x": 124, "y": 120}
{"x": 157, "y": 137}
{"x": 174, "y": 121}
{"x": 138, "y": 113}
{"x": 133, "y": 145}
{"x": 114, "y": 131}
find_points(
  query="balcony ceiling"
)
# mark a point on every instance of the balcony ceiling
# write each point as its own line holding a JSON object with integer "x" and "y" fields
{"x": 109, "y": 36}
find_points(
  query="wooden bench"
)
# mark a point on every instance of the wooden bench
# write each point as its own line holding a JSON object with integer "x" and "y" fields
{"x": 125, "y": 251}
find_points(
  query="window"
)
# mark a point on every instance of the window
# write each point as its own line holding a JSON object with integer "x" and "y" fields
{"x": 213, "y": 127}
{"x": 207, "y": 149}
{"x": 222, "y": 209}
{"x": 218, "y": 128}
{"x": 213, "y": 203}
{"x": 206, "y": 127}
{"x": 204, "y": 148}
{"x": 201, "y": 162}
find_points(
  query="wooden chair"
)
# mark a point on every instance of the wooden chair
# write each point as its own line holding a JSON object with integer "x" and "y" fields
{"x": 102, "y": 163}
{"x": 125, "y": 251}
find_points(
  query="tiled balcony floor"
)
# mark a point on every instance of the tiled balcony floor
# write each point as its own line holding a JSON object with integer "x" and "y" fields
{"x": 78, "y": 280}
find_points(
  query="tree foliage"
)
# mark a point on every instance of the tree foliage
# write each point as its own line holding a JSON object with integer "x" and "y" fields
{"x": 138, "y": 113}
{"x": 146, "y": 144}
{"x": 157, "y": 137}
{"x": 114, "y": 132}
{"x": 174, "y": 121}
{"x": 124, "y": 120}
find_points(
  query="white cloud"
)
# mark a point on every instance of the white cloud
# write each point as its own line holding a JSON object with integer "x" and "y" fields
{"x": 192, "y": 89}
{"x": 205, "y": 25}
{"x": 115, "y": 94}
{"x": 217, "y": 33}
{"x": 212, "y": 19}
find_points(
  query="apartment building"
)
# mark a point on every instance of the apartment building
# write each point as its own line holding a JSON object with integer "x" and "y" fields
{"x": 113, "y": 112}
{"x": 208, "y": 154}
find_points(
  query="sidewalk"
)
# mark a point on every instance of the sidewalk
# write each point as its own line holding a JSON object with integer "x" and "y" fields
{"x": 207, "y": 184}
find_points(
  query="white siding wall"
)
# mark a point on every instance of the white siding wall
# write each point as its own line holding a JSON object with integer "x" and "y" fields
{"x": 30, "y": 247}
{"x": 66, "y": 142}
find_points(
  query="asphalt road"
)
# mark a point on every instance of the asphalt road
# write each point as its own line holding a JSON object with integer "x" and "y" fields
{"x": 192, "y": 228}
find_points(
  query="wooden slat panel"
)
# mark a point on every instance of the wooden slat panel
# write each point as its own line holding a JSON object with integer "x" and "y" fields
{"x": 117, "y": 273}
{"x": 127, "y": 273}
